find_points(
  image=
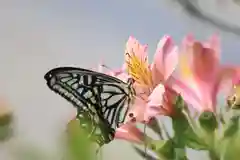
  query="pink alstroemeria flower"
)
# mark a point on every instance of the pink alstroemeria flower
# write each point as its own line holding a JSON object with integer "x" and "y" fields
{"x": 201, "y": 75}
{"x": 150, "y": 78}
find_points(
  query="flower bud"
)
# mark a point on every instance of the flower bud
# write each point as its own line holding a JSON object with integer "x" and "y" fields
{"x": 208, "y": 121}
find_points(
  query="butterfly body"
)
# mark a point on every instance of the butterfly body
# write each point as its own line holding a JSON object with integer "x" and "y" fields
{"x": 101, "y": 99}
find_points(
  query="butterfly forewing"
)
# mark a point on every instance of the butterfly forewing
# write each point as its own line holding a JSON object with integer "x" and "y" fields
{"x": 104, "y": 97}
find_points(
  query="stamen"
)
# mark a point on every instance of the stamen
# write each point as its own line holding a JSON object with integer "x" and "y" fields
{"x": 131, "y": 115}
{"x": 133, "y": 120}
{"x": 138, "y": 69}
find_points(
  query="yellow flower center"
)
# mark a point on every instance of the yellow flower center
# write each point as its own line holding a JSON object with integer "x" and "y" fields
{"x": 139, "y": 70}
{"x": 184, "y": 67}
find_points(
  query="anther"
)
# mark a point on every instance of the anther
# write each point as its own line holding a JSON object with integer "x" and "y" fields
{"x": 131, "y": 115}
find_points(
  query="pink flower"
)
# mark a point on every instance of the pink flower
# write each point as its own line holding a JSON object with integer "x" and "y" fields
{"x": 201, "y": 75}
{"x": 165, "y": 62}
{"x": 130, "y": 133}
{"x": 150, "y": 78}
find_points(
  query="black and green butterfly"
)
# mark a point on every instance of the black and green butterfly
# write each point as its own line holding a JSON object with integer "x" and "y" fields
{"x": 99, "y": 98}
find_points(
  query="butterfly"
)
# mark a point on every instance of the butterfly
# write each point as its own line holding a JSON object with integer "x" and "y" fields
{"x": 100, "y": 99}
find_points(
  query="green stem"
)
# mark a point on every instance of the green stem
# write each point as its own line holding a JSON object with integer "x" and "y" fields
{"x": 179, "y": 149}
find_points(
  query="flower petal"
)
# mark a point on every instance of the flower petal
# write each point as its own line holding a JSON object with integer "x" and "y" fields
{"x": 155, "y": 98}
{"x": 225, "y": 80}
{"x": 205, "y": 64}
{"x": 200, "y": 69}
{"x": 165, "y": 59}
{"x": 190, "y": 94}
{"x": 133, "y": 46}
{"x": 162, "y": 105}
{"x": 137, "y": 62}
{"x": 137, "y": 110}
{"x": 214, "y": 43}
{"x": 130, "y": 133}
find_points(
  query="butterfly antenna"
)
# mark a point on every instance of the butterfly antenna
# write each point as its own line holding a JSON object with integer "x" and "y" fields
{"x": 116, "y": 72}
{"x": 105, "y": 66}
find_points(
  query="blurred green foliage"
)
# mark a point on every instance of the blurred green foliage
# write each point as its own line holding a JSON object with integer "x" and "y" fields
{"x": 79, "y": 145}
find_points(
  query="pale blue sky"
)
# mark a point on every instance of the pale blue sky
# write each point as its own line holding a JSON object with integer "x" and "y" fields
{"x": 37, "y": 36}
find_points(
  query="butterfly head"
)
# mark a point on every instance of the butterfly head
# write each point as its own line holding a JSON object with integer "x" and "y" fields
{"x": 48, "y": 76}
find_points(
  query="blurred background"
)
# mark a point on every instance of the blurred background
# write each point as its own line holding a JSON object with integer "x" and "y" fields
{"x": 36, "y": 36}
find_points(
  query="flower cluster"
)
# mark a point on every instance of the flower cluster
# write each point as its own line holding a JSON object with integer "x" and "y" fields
{"x": 191, "y": 71}
{"x": 180, "y": 82}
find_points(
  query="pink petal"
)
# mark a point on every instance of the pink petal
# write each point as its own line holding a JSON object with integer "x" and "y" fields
{"x": 153, "y": 112}
{"x": 130, "y": 133}
{"x": 225, "y": 81}
{"x": 134, "y": 47}
{"x": 205, "y": 64}
{"x": 155, "y": 98}
{"x": 165, "y": 59}
{"x": 155, "y": 102}
{"x": 138, "y": 109}
{"x": 190, "y": 94}
{"x": 187, "y": 41}
{"x": 171, "y": 62}
{"x": 203, "y": 59}
{"x": 214, "y": 43}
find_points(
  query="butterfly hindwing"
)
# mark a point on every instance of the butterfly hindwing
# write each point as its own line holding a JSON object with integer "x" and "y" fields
{"x": 95, "y": 127}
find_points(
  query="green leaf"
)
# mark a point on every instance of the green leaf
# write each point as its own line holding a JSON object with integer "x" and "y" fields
{"x": 231, "y": 148}
{"x": 6, "y": 132}
{"x": 179, "y": 104}
{"x": 79, "y": 145}
{"x": 232, "y": 127}
{"x": 193, "y": 141}
{"x": 184, "y": 134}
{"x": 180, "y": 154}
{"x": 208, "y": 121}
{"x": 6, "y": 128}
{"x": 154, "y": 125}
{"x": 180, "y": 126}
{"x": 143, "y": 154}
{"x": 164, "y": 148}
